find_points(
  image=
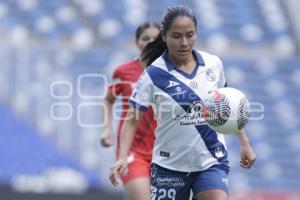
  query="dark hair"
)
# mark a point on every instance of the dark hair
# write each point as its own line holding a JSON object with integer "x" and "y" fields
{"x": 154, "y": 49}
{"x": 143, "y": 27}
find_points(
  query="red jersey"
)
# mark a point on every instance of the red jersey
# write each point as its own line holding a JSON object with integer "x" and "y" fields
{"x": 124, "y": 77}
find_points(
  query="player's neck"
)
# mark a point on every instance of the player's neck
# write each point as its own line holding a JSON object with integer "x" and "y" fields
{"x": 187, "y": 65}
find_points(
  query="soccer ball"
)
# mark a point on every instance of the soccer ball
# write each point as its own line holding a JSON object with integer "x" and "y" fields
{"x": 226, "y": 110}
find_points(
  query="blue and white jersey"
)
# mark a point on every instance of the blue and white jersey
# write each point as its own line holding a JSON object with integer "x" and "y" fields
{"x": 183, "y": 140}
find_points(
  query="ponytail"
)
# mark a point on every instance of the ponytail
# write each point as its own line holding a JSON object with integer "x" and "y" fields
{"x": 153, "y": 50}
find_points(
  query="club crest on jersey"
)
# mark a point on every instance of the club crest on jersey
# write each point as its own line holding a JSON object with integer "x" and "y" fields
{"x": 210, "y": 75}
{"x": 172, "y": 84}
{"x": 193, "y": 84}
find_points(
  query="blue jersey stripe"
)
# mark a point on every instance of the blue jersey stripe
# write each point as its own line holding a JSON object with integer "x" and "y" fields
{"x": 185, "y": 97}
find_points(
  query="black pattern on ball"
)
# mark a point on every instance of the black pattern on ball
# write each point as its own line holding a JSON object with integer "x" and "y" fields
{"x": 218, "y": 110}
{"x": 243, "y": 113}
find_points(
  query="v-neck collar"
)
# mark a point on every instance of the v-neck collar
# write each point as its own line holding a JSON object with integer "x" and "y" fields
{"x": 171, "y": 66}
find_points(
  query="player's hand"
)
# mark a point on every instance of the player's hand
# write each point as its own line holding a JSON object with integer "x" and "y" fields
{"x": 248, "y": 156}
{"x": 116, "y": 170}
{"x": 106, "y": 139}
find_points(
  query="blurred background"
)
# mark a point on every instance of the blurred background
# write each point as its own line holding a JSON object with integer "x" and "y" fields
{"x": 57, "y": 56}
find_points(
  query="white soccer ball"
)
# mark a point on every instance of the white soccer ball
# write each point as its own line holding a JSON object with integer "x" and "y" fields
{"x": 227, "y": 110}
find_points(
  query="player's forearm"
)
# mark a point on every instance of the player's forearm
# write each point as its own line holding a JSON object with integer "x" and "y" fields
{"x": 107, "y": 114}
{"x": 243, "y": 137}
{"x": 127, "y": 134}
{"x": 128, "y": 130}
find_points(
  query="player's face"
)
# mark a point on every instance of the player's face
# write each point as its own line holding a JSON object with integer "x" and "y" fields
{"x": 148, "y": 35}
{"x": 181, "y": 38}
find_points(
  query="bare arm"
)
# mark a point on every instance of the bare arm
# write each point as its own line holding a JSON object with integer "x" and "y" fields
{"x": 107, "y": 135}
{"x": 248, "y": 156}
{"x": 130, "y": 125}
{"x": 133, "y": 118}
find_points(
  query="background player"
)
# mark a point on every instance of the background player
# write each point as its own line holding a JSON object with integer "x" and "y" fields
{"x": 187, "y": 153}
{"x": 137, "y": 177}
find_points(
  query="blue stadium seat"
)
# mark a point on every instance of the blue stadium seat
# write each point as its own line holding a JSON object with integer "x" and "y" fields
{"x": 235, "y": 15}
{"x": 23, "y": 151}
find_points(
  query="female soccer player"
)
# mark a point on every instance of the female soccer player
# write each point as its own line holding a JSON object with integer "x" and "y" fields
{"x": 187, "y": 154}
{"x": 137, "y": 178}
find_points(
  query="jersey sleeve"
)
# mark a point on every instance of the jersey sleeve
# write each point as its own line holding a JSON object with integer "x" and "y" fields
{"x": 222, "y": 80}
{"x": 115, "y": 87}
{"x": 141, "y": 97}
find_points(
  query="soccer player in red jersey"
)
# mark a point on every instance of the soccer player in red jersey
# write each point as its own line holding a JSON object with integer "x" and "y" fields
{"x": 137, "y": 178}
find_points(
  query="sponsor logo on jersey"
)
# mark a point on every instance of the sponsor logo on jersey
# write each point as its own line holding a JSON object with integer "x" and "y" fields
{"x": 178, "y": 93}
{"x": 172, "y": 84}
{"x": 175, "y": 182}
{"x": 178, "y": 89}
{"x": 193, "y": 116}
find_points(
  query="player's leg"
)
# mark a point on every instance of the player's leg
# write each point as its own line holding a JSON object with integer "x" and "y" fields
{"x": 136, "y": 180}
{"x": 138, "y": 188}
{"x": 212, "y": 184}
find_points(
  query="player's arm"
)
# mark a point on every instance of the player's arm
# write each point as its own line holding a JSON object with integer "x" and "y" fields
{"x": 248, "y": 156}
{"x": 133, "y": 118}
{"x": 114, "y": 89}
{"x": 140, "y": 100}
{"x": 107, "y": 135}
{"x": 129, "y": 127}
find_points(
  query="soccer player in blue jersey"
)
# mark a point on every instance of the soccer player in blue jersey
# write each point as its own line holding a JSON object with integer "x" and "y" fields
{"x": 187, "y": 154}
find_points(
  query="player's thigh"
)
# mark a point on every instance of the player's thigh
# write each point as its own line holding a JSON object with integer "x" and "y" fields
{"x": 138, "y": 188}
{"x": 213, "y": 194}
{"x": 211, "y": 184}
{"x": 168, "y": 184}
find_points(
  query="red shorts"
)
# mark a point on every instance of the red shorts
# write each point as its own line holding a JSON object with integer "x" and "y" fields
{"x": 137, "y": 167}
